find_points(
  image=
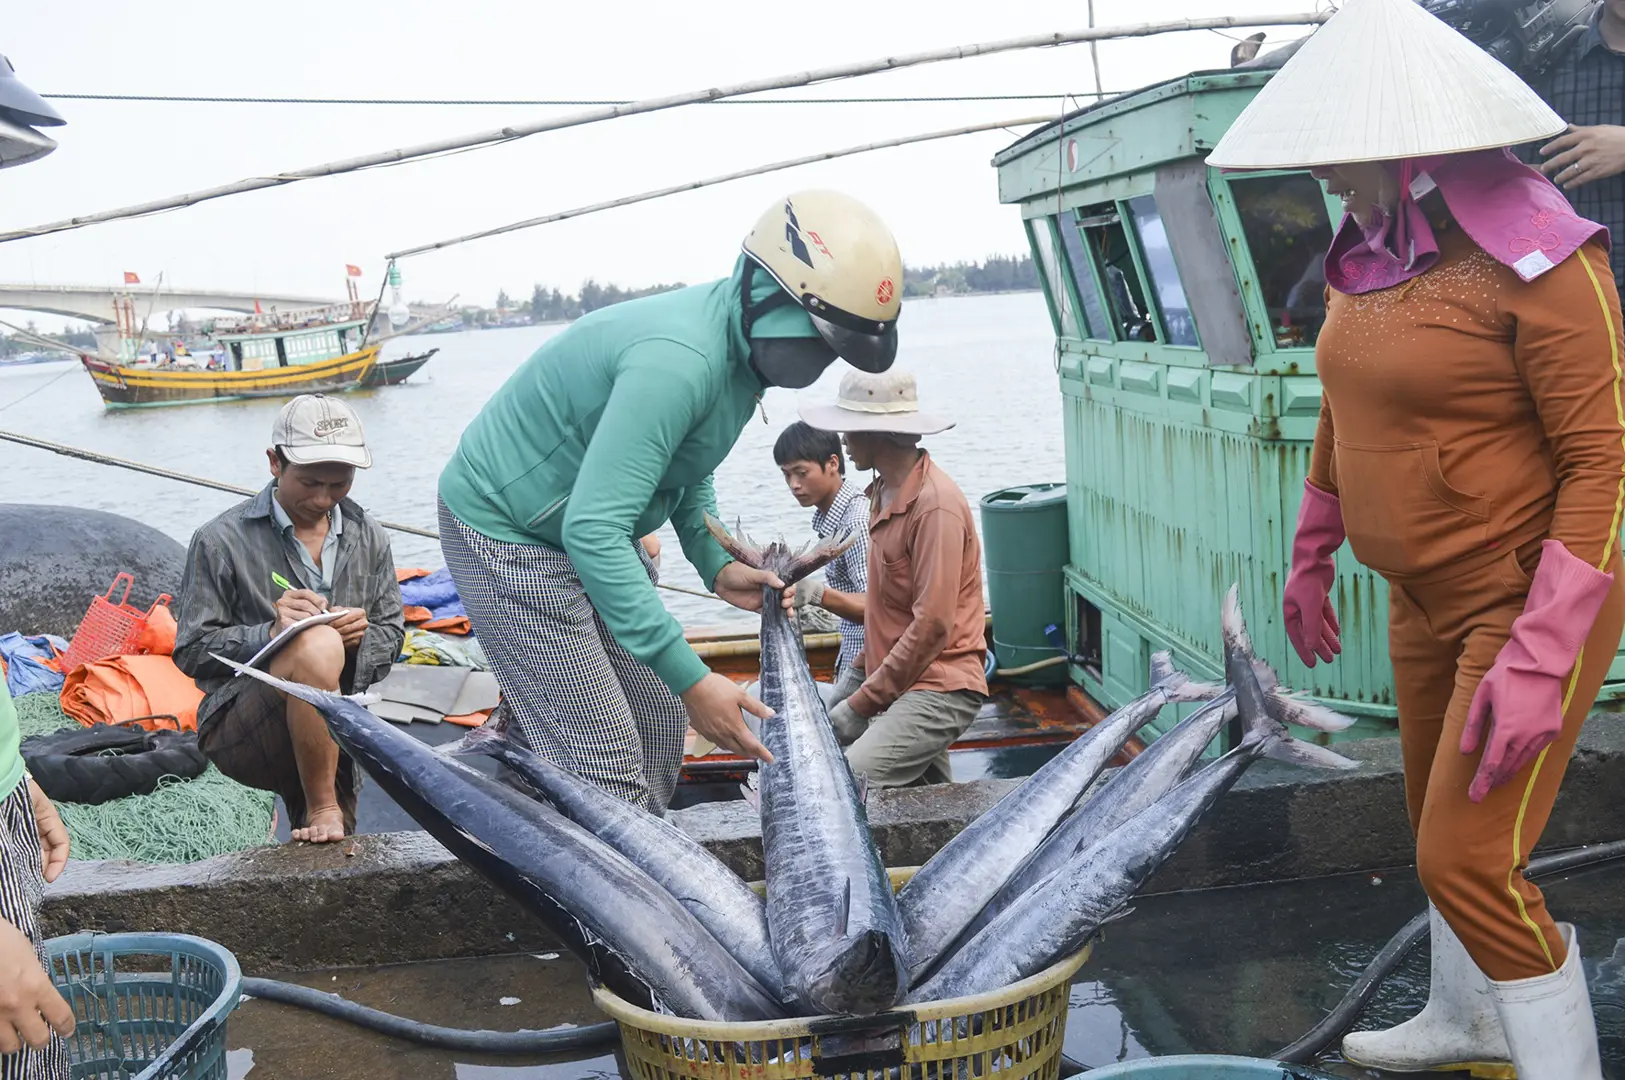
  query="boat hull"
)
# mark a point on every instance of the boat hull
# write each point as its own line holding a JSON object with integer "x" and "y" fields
{"x": 128, "y": 387}
{"x": 394, "y": 372}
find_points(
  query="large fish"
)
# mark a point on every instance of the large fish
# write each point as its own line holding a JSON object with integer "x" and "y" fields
{"x": 616, "y": 918}
{"x": 961, "y": 878}
{"x": 1055, "y": 917}
{"x": 1152, "y": 774}
{"x": 830, "y": 910}
{"x": 700, "y": 881}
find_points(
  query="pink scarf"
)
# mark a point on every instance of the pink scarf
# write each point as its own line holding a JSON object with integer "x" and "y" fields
{"x": 1510, "y": 210}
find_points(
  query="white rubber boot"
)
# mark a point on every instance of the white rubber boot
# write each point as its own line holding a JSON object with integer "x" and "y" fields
{"x": 1548, "y": 1021}
{"x": 1458, "y": 1030}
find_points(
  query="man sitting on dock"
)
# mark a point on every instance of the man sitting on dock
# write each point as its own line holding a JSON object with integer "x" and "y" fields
{"x": 815, "y": 471}
{"x": 925, "y": 645}
{"x": 297, "y": 549}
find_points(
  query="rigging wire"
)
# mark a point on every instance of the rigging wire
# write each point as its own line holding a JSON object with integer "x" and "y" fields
{"x": 512, "y": 132}
{"x": 694, "y": 185}
{"x": 897, "y": 99}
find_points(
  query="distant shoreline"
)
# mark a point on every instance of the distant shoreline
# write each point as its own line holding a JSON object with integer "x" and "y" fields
{"x": 566, "y": 322}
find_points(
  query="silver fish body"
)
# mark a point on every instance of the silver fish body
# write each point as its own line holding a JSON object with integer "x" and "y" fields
{"x": 968, "y": 872}
{"x": 603, "y": 906}
{"x": 831, "y": 914}
{"x": 700, "y": 881}
{"x": 1060, "y": 913}
{"x": 1152, "y": 774}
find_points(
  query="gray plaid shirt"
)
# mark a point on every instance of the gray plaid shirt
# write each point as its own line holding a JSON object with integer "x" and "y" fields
{"x": 1586, "y": 87}
{"x": 849, "y": 571}
{"x": 228, "y": 598}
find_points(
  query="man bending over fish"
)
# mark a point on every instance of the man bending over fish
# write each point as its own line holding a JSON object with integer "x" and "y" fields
{"x": 610, "y": 430}
{"x": 298, "y": 548}
{"x": 815, "y": 471}
{"x": 925, "y": 645}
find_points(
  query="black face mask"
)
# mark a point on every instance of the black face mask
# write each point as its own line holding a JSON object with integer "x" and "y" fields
{"x": 793, "y": 363}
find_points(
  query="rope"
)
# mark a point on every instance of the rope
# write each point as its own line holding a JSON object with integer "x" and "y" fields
{"x": 899, "y": 99}
{"x": 510, "y": 133}
{"x": 201, "y": 481}
{"x": 694, "y": 185}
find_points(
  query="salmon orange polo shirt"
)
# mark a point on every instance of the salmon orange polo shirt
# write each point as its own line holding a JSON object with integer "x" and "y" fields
{"x": 924, "y": 620}
{"x": 1466, "y": 413}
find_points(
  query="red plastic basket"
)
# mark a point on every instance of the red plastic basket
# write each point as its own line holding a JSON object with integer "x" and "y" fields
{"x": 110, "y": 628}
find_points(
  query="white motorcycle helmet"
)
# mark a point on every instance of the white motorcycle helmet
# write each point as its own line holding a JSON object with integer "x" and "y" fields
{"x": 21, "y": 112}
{"x": 837, "y": 259}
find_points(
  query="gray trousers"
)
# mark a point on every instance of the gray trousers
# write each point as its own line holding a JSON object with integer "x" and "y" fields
{"x": 578, "y": 697}
{"x": 22, "y": 886}
{"x": 908, "y": 743}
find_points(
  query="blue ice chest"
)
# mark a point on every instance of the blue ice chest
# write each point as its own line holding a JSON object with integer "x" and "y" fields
{"x": 1202, "y": 1067}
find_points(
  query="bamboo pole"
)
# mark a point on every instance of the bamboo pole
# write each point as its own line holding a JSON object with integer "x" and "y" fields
{"x": 694, "y": 185}
{"x": 671, "y": 101}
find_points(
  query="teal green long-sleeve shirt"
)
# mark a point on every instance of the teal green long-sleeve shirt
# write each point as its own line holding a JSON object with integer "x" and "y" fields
{"x": 11, "y": 758}
{"x": 608, "y": 431}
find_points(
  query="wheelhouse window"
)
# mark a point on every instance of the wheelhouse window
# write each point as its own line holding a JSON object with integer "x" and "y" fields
{"x": 1107, "y": 243}
{"x": 1043, "y": 242}
{"x": 1080, "y": 268}
{"x": 1178, "y": 324}
{"x": 1288, "y": 233}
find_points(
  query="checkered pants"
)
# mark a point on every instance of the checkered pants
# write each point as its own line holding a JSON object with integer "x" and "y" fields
{"x": 580, "y": 699}
{"x": 21, "y": 888}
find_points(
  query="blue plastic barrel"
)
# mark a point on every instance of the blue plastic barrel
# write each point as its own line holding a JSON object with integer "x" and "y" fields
{"x": 1204, "y": 1067}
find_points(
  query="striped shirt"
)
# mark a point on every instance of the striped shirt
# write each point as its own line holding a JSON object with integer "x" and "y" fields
{"x": 848, "y": 572}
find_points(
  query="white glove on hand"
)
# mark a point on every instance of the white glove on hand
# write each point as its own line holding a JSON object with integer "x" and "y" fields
{"x": 848, "y": 725}
{"x": 809, "y": 591}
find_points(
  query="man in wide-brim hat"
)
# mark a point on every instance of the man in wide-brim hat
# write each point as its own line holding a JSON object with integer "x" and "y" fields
{"x": 1472, "y": 451}
{"x": 925, "y": 646}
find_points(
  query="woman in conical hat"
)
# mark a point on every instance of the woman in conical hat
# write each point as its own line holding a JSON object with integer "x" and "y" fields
{"x": 1471, "y": 450}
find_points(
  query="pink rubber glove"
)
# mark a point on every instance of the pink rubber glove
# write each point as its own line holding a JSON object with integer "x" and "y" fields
{"x": 1306, "y": 606}
{"x": 1523, "y": 691}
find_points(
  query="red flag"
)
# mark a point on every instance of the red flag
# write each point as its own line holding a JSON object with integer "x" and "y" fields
{"x": 354, "y": 271}
{"x": 257, "y": 306}
{"x": 131, "y": 279}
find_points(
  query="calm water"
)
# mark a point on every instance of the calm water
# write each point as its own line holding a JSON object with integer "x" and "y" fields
{"x": 1224, "y": 971}
{"x": 986, "y": 361}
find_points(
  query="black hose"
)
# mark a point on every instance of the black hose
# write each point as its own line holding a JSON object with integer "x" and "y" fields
{"x": 1342, "y": 1017}
{"x": 555, "y": 1041}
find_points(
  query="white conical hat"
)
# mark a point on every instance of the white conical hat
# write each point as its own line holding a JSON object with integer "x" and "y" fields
{"x": 1381, "y": 80}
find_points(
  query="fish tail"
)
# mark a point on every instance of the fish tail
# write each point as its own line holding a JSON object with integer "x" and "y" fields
{"x": 1260, "y": 717}
{"x": 482, "y": 739}
{"x": 305, "y": 693}
{"x": 774, "y": 557}
{"x": 805, "y": 562}
{"x": 740, "y": 547}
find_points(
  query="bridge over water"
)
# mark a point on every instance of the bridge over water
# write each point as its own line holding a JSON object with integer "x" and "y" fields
{"x": 96, "y": 303}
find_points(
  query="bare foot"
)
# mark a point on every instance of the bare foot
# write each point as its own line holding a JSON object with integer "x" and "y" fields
{"x": 322, "y": 826}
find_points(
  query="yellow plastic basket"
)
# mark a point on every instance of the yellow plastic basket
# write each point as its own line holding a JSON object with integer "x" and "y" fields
{"x": 1011, "y": 1034}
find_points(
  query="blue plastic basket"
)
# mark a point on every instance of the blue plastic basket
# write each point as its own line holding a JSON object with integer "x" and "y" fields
{"x": 146, "y": 1006}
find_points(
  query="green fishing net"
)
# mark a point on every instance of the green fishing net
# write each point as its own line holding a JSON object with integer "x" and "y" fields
{"x": 182, "y": 821}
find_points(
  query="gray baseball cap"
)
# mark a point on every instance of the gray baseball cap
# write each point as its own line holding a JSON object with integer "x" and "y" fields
{"x": 313, "y": 429}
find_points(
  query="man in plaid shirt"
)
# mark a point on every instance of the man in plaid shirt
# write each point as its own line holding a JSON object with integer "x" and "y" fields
{"x": 815, "y": 470}
{"x": 1586, "y": 87}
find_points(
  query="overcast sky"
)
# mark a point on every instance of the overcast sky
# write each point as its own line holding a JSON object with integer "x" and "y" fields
{"x": 940, "y": 198}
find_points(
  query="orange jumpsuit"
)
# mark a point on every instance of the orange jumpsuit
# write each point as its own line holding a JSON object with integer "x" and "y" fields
{"x": 1466, "y": 417}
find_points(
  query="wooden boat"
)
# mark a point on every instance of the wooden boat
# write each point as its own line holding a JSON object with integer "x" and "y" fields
{"x": 394, "y": 372}
{"x": 1017, "y": 730}
{"x": 279, "y": 355}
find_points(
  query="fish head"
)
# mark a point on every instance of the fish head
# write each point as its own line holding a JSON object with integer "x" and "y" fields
{"x": 858, "y": 974}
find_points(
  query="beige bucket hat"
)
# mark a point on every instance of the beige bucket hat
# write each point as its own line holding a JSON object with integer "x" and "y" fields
{"x": 1383, "y": 80}
{"x": 888, "y": 402}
